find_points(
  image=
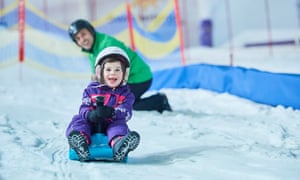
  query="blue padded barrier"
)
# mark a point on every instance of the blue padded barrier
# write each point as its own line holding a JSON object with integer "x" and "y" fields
{"x": 259, "y": 86}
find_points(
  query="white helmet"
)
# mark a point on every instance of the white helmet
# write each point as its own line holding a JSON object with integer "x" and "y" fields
{"x": 112, "y": 52}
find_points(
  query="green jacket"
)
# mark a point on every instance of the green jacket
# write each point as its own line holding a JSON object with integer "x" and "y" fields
{"x": 139, "y": 70}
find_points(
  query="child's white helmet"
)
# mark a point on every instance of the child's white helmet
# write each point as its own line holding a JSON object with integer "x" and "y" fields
{"x": 112, "y": 52}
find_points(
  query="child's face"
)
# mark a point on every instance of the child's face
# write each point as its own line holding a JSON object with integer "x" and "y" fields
{"x": 84, "y": 39}
{"x": 112, "y": 74}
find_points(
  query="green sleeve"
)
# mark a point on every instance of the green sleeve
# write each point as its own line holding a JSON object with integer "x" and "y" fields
{"x": 139, "y": 70}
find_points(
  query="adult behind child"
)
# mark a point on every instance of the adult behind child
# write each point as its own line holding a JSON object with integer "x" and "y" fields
{"x": 106, "y": 108}
{"x": 140, "y": 75}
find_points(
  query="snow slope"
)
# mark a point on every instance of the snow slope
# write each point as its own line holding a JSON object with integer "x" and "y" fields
{"x": 208, "y": 136}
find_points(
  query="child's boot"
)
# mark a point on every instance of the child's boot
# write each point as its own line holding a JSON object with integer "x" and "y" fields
{"x": 78, "y": 142}
{"x": 122, "y": 145}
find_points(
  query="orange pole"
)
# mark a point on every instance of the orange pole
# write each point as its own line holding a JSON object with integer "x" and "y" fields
{"x": 130, "y": 26}
{"x": 179, "y": 26}
{"x": 21, "y": 29}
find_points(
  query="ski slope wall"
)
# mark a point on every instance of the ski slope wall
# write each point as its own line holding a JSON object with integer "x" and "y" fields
{"x": 160, "y": 35}
{"x": 259, "y": 86}
{"x": 158, "y": 40}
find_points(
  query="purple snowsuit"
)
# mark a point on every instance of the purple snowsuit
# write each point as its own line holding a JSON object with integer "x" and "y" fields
{"x": 120, "y": 98}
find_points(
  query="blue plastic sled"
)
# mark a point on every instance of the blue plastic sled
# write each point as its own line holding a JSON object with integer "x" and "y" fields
{"x": 99, "y": 150}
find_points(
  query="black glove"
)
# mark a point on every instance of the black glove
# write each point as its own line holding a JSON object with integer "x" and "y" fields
{"x": 101, "y": 112}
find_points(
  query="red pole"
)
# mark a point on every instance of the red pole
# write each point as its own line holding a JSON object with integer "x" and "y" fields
{"x": 179, "y": 26}
{"x": 268, "y": 25}
{"x": 130, "y": 26}
{"x": 21, "y": 29}
{"x": 229, "y": 27}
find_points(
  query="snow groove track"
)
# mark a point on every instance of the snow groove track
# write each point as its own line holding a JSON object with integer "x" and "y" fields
{"x": 37, "y": 152}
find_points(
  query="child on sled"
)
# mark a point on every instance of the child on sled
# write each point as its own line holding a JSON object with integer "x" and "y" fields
{"x": 106, "y": 107}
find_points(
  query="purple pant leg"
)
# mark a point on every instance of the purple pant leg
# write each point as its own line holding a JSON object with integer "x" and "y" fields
{"x": 118, "y": 128}
{"x": 79, "y": 124}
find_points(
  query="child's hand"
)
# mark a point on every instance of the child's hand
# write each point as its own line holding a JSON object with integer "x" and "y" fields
{"x": 100, "y": 113}
{"x": 105, "y": 111}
